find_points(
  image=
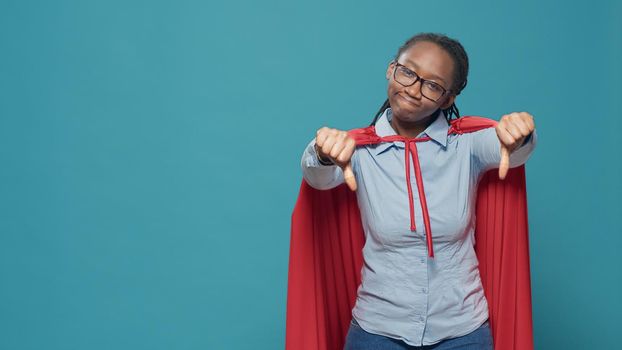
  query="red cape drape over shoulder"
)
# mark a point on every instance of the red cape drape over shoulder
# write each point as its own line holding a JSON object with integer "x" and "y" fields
{"x": 326, "y": 257}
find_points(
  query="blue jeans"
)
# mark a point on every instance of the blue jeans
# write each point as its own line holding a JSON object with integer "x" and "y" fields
{"x": 359, "y": 339}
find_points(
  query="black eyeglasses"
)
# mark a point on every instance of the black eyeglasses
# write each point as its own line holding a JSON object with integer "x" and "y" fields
{"x": 429, "y": 89}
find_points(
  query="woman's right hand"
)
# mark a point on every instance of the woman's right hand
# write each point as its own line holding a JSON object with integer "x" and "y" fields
{"x": 339, "y": 147}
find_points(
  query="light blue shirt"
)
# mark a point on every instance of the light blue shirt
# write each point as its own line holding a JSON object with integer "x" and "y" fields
{"x": 404, "y": 294}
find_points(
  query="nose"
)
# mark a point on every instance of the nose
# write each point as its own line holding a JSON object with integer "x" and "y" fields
{"x": 414, "y": 90}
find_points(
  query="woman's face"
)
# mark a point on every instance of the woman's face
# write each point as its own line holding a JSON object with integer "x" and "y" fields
{"x": 430, "y": 62}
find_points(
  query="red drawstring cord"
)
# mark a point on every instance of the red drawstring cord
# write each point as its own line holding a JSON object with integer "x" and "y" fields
{"x": 413, "y": 227}
{"x": 424, "y": 204}
{"x": 420, "y": 189}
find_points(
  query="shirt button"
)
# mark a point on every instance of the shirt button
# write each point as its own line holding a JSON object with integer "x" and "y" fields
{"x": 421, "y": 318}
{"x": 423, "y": 290}
{"x": 422, "y": 260}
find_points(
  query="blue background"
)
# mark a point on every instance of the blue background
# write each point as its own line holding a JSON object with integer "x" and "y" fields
{"x": 150, "y": 157}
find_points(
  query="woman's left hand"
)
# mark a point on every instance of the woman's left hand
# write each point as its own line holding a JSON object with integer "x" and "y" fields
{"x": 512, "y": 130}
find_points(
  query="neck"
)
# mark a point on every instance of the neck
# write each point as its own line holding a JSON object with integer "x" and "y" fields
{"x": 412, "y": 129}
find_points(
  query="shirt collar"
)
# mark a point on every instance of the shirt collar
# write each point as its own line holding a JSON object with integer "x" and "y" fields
{"x": 437, "y": 130}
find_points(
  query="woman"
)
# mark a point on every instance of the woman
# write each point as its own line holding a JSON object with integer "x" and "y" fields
{"x": 407, "y": 299}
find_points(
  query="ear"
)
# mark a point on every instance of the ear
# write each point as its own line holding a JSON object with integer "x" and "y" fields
{"x": 449, "y": 101}
{"x": 390, "y": 69}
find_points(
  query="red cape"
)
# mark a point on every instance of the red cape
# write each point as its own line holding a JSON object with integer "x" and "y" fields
{"x": 326, "y": 257}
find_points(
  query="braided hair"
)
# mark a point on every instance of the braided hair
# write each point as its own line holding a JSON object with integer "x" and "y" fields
{"x": 460, "y": 71}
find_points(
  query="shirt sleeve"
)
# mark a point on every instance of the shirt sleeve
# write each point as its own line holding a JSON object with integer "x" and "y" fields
{"x": 486, "y": 149}
{"x": 319, "y": 176}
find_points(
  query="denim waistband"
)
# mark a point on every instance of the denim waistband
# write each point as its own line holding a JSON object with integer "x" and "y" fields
{"x": 485, "y": 324}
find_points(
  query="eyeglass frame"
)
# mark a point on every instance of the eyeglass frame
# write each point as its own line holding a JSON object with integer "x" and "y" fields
{"x": 419, "y": 78}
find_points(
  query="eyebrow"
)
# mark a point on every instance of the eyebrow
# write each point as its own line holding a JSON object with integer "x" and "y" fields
{"x": 431, "y": 75}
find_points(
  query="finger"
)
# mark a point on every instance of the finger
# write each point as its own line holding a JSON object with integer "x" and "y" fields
{"x": 522, "y": 126}
{"x": 321, "y": 136}
{"x": 523, "y": 121}
{"x": 530, "y": 123}
{"x": 504, "y": 164}
{"x": 518, "y": 136}
{"x": 513, "y": 130}
{"x": 347, "y": 151}
{"x": 348, "y": 176}
{"x": 338, "y": 146}
{"x": 328, "y": 145}
{"x": 526, "y": 117}
{"x": 504, "y": 136}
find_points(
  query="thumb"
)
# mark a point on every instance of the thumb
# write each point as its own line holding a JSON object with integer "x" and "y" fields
{"x": 348, "y": 175}
{"x": 504, "y": 164}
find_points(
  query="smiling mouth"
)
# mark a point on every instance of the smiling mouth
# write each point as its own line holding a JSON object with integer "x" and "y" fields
{"x": 409, "y": 101}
